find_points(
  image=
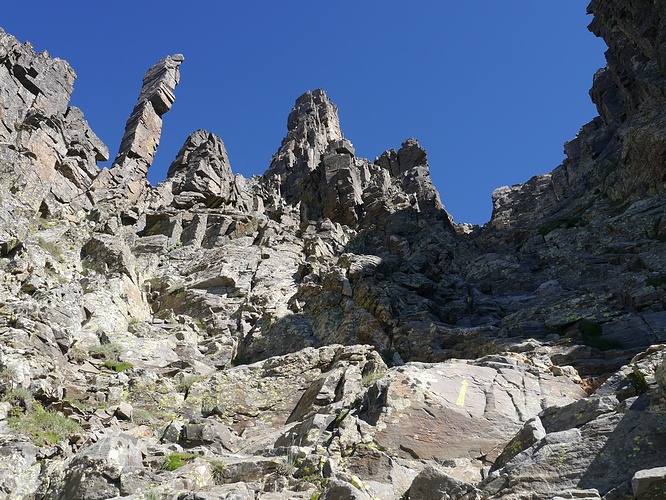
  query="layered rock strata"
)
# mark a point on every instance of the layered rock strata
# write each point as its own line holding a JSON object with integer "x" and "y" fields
{"x": 48, "y": 153}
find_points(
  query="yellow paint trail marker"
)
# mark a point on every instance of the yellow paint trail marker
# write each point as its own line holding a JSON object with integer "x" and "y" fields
{"x": 461, "y": 396}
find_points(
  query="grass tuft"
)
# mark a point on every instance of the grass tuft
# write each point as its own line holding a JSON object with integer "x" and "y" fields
{"x": 177, "y": 460}
{"x": 44, "y": 427}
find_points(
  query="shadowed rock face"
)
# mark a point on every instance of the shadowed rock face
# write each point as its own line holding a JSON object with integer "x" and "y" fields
{"x": 326, "y": 329}
{"x": 620, "y": 154}
{"x": 48, "y": 153}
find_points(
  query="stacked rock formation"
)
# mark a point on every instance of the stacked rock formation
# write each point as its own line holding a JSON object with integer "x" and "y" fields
{"x": 325, "y": 330}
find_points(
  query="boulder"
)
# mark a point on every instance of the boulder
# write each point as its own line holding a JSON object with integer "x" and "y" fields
{"x": 433, "y": 484}
{"x": 649, "y": 483}
{"x": 96, "y": 472}
{"x": 478, "y": 407}
{"x": 201, "y": 173}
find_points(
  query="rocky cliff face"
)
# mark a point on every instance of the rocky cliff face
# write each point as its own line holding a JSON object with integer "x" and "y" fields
{"x": 325, "y": 330}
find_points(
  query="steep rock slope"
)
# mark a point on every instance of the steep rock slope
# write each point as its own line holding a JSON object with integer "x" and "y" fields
{"x": 325, "y": 330}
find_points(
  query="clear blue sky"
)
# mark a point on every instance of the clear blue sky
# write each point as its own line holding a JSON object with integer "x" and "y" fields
{"x": 492, "y": 89}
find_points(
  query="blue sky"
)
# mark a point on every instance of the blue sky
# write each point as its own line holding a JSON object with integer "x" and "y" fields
{"x": 492, "y": 89}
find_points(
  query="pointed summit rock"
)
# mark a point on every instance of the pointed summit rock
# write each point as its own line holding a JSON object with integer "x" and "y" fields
{"x": 316, "y": 167}
{"x": 312, "y": 124}
{"x": 201, "y": 172}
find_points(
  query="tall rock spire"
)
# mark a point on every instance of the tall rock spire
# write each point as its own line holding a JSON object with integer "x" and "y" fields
{"x": 144, "y": 126}
{"x": 127, "y": 176}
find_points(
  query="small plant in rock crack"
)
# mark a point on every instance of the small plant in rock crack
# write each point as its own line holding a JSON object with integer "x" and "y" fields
{"x": 288, "y": 466}
{"x": 118, "y": 366}
{"x": 188, "y": 381}
{"x": 370, "y": 378}
{"x": 218, "y": 470}
{"x": 7, "y": 377}
{"x": 154, "y": 495}
{"x": 21, "y": 400}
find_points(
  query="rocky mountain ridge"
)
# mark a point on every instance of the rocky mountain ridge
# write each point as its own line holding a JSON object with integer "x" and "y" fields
{"x": 325, "y": 330}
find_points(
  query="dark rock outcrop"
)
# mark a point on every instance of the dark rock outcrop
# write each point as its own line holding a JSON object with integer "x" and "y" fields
{"x": 620, "y": 154}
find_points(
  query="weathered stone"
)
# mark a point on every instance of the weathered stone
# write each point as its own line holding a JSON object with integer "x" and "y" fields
{"x": 270, "y": 387}
{"x": 611, "y": 442}
{"x": 589, "y": 494}
{"x": 109, "y": 254}
{"x": 307, "y": 433}
{"x": 433, "y": 484}
{"x": 341, "y": 490}
{"x": 50, "y": 147}
{"x": 124, "y": 411}
{"x": 649, "y": 483}
{"x": 471, "y": 399}
{"x": 531, "y": 432}
{"x": 210, "y": 433}
{"x": 96, "y": 471}
{"x": 19, "y": 470}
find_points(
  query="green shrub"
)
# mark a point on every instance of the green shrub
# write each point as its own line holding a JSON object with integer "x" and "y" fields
{"x": 187, "y": 381}
{"x": 593, "y": 337}
{"x": 44, "y": 427}
{"x": 637, "y": 379}
{"x": 370, "y": 378}
{"x": 656, "y": 281}
{"x": 21, "y": 400}
{"x": 288, "y": 466}
{"x": 341, "y": 416}
{"x": 153, "y": 495}
{"x": 591, "y": 328}
{"x": 8, "y": 376}
{"x": 218, "y": 471}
